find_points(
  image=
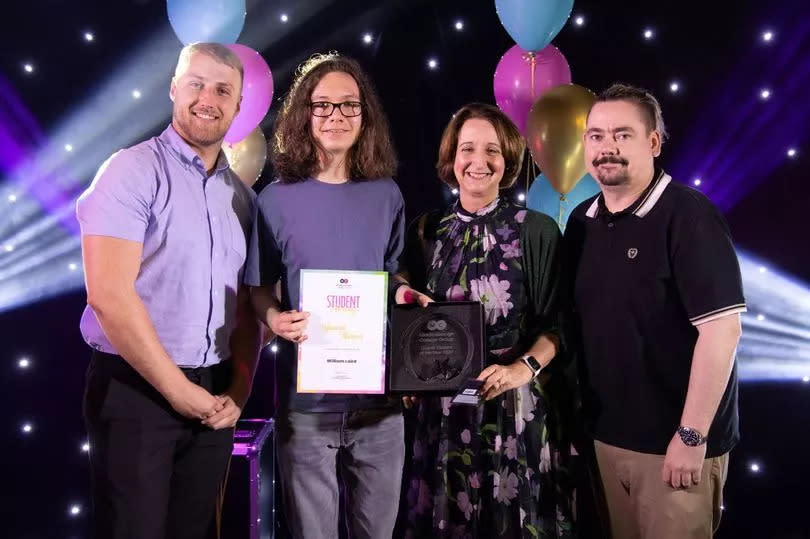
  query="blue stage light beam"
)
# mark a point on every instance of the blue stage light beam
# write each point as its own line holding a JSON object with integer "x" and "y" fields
{"x": 775, "y": 343}
{"x": 39, "y": 246}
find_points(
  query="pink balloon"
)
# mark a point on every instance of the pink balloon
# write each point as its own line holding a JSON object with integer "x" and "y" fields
{"x": 257, "y": 93}
{"x": 513, "y": 80}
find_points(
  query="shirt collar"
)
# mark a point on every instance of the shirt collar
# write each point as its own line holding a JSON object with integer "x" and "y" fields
{"x": 466, "y": 216}
{"x": 186, "y": 153}
{"x": 642, "y": 205}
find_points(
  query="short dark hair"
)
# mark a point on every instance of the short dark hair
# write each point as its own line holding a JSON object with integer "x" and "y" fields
{"x": 294, "y": 151}
{"x": 511, "y": 141}
{"x": 644, "y": 100}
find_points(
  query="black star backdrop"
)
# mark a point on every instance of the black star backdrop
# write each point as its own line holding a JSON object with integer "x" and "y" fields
{"x": 722, "y": 55}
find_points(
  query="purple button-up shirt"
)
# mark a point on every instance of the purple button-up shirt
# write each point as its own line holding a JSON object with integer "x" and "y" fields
{"x": 193, "y": 228}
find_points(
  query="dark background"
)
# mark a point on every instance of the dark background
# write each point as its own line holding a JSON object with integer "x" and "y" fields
{"x": 713, "y": 49}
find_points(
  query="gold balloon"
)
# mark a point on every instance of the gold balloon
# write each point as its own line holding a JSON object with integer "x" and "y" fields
{"x": 247, "y": 157}
{"x": 554, "y": 133}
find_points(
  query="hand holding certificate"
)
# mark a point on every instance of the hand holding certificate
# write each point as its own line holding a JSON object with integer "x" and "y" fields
{"x": 290, "y": 325}
{"x": 345, "y": 348}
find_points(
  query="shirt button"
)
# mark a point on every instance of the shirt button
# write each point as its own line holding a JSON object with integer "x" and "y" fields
{"x": 610, "y": 225}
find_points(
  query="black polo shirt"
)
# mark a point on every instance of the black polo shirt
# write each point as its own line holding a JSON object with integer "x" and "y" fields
{"x": 644, "y": 278}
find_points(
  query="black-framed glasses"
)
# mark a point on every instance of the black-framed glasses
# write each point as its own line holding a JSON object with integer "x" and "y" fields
{"x": 324, "y": 109}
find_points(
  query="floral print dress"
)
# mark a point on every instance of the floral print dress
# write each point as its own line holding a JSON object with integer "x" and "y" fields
{"x": 499, "y": 469}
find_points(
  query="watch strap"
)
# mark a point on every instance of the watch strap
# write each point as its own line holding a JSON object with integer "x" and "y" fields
{"x": 533, "y": 364}
{"x": 690, "y": 436}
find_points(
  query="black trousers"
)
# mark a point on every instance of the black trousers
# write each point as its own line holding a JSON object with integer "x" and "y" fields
{"x": 155, "y": 474}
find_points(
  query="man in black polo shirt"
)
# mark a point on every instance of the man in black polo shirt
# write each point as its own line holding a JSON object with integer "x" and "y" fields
{"x": 658, "y": 297}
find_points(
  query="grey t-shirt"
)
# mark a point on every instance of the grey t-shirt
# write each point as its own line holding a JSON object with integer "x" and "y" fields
{"x": 357, "y": 225}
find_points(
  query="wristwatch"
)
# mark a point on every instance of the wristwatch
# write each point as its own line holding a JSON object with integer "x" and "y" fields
{"x": 533, "y": 364}
{"x": 690, "y": 436}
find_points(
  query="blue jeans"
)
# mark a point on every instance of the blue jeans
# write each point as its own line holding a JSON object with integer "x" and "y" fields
{"x": 372, "y": 452}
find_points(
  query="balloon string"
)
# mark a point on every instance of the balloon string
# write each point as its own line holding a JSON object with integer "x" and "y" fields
{"x": 533, "y": 62}
{"x": 529, "y": 162}
{"x": 560, "y": 212}
{"x": 531, "y": 171}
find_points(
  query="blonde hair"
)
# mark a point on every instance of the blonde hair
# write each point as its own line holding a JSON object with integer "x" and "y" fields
{"x": 217, "y": 51}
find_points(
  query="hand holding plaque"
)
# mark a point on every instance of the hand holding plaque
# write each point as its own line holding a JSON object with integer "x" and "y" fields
{"x": 436, "y": 348}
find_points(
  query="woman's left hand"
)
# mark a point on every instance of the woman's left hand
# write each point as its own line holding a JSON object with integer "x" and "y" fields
{"x": 500, "y": 378}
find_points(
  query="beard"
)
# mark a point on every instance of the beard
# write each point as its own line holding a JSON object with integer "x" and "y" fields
{"x": 612, "y": 178}
{"x": 198, "y": 131}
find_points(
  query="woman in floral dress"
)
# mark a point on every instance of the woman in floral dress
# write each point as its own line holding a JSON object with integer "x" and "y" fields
{"x": 500, "y": 469}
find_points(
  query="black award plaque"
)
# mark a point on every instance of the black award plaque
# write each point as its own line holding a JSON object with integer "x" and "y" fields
{"x": 435, "y": 348}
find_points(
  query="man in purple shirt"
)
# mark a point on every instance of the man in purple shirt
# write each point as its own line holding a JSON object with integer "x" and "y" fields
{"x": 175, "y": 342}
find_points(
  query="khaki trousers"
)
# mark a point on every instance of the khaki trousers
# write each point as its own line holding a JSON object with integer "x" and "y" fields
{"x": 642, "y": 506}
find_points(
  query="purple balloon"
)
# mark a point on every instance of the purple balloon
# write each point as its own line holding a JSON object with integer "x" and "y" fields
{"x": 257, "y": 93}
{"x": 513, "y": 80}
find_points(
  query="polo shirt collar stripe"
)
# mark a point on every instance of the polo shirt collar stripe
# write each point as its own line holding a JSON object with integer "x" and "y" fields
{"x": 594, "y": 207}
{"x": 643, "y": 207}
{"x": 653, "y": 194}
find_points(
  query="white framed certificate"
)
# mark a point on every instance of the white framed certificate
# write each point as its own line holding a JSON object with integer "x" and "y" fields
{"x": 345, "y": 347}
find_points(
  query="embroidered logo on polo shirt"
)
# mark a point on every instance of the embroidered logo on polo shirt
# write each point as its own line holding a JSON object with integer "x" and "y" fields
{"x": 632, "y": 252}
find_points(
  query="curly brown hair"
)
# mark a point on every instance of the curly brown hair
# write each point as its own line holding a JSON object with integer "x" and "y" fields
{"x": 511, "y": 140}
{"x": 294, "y": 151}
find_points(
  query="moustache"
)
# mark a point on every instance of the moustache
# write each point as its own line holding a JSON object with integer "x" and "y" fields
{"x": 609, "y": 159}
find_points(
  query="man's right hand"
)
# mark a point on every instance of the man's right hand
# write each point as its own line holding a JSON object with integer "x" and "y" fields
{"x": 194, "y": 402}
{"x": 290, "y": 325}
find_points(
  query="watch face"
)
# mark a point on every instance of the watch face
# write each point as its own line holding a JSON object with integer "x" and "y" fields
{"x": 535, "y": 365}
{"x": 690, "y": 437}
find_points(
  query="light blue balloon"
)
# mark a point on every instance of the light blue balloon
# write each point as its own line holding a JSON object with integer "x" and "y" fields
{"x": 543, "y": 198}
{"x": 220, "y": 21}
{"x": 533, "y": 23}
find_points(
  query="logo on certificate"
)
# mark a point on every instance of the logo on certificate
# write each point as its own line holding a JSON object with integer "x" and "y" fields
{"x": 343, "y": 283}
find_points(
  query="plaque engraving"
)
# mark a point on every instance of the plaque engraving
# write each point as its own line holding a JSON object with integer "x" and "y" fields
{"x": 435, "y": 348}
